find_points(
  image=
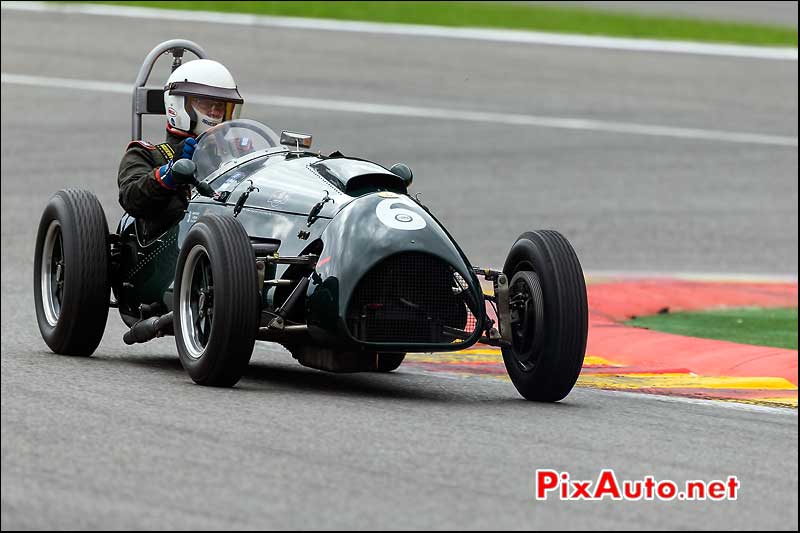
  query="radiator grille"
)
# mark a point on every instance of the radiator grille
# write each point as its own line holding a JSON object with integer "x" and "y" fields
{"x": 412, "y": 298}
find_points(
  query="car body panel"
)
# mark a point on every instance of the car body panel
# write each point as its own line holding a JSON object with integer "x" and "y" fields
{"x": 362, "y": 235}
{"x": 353, "y": 213}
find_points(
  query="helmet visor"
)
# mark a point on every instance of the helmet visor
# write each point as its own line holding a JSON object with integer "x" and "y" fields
{"x": 217, "y": 110}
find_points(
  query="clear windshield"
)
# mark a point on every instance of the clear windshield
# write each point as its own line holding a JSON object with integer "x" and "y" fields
{"x": 230, "y": 141}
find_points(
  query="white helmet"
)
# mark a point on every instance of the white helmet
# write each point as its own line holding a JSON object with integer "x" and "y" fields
{"x": 192, "y": 88}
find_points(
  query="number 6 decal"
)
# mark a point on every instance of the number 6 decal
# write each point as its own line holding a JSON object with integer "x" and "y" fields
{"x": 397, "y": 217}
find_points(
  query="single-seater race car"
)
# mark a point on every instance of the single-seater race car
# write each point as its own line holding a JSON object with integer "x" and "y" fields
{"x": 327, "y": 255}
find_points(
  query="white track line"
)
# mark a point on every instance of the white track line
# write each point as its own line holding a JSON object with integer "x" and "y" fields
{"x": 508, "y": 36}
{"x": 438, "y": 113}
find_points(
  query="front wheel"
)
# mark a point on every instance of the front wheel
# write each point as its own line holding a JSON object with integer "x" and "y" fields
{"x": 70, "y": 273}
{"x": 549, "y": 316}
{"x": 216, "y": 315}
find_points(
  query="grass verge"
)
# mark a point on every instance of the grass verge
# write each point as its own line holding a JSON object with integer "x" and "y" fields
{"x": 545, "y": 18}
{"x": 762, "y": 327}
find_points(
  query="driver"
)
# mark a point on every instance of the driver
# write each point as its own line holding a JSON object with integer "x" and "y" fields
{"x": 198, "y": 95}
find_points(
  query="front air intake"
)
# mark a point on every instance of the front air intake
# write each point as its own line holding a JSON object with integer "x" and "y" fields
{"x": 412, "y": 298}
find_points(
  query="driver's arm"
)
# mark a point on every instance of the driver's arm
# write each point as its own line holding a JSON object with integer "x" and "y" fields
{"x": 140, "y": 192}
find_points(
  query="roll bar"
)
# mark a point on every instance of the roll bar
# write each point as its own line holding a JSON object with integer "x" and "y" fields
{"x": 150, "y": 101}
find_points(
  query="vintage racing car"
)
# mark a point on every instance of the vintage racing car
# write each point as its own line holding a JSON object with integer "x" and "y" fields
{"x": 327, "y": 255}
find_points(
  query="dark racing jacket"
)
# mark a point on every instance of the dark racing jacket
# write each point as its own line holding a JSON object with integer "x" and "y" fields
{"x": 142, "y": 195}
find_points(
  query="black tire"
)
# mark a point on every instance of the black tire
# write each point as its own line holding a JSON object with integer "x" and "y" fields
{"x": 216, "y": 254}
{"x": 387, "y": 362}
{"x": 71, "y": 285}
{"x": 546, "y": 369}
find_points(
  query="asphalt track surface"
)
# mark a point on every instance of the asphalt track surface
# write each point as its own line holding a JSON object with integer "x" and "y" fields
{"x": 125, "y": 440}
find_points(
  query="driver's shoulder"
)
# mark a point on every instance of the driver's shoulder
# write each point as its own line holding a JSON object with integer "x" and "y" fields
{"x": 141, "y": 144}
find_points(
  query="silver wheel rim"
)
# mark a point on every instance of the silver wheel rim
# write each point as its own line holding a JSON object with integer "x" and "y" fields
{"x": 52, "y": 274}
{"x": 196, "y": 301}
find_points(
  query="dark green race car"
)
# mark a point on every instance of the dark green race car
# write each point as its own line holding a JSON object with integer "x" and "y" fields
{"x": 326, "y": 255}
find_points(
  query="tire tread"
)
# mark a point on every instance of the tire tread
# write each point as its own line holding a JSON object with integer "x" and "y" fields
{"x": 233, "y": 267}
{"x": 84, "y": 311}
{"x": 562, "y": 278}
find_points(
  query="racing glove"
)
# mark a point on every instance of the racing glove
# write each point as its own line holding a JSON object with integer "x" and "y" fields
{"x": 165, "y": 178}
{"x": 188, "y": 148}
{"x": 164, "y": 174}
{"x": 174, "y": 173}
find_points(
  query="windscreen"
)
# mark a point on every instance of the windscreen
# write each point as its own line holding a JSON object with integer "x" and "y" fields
{"x": 230, "y": 141}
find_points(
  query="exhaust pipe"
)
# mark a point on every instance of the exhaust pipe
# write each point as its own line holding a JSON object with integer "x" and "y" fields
{"x": 149, "y": 328}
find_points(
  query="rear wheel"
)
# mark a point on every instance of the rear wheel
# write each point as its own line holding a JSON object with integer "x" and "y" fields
{"x": 549, "y": 316}
{"x": 70, "y": 274}
{"x": 216, "y": 315}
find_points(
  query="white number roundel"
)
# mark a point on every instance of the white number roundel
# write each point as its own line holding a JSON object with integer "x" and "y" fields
{"x": 397, "y": 217}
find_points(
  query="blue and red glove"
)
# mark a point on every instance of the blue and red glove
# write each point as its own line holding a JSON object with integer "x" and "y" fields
{"x": 164, "y": 176}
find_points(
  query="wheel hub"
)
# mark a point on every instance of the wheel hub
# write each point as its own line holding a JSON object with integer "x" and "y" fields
{"x": 196, "y": 301}
{"x": 526, "y": 306}
{"x": 52, "y": 273}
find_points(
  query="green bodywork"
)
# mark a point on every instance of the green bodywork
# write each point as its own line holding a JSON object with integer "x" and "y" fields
{"x": 350, "y": 235}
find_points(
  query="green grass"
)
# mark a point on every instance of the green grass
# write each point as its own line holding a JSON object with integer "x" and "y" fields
{"x": 513, "y": 16}
{"x": 762, "y": 327}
